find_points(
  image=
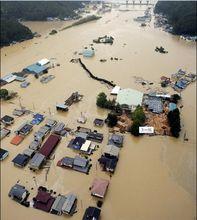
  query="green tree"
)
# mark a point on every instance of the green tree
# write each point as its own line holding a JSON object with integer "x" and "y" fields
{"x": 138, "y": 115}
{"x": 3, "y": 93}
{"x": 135, "y": 128}
{"x": 101, "y": 100}
{"x": 175, "y": 98}
{"x": 174, "y": 122}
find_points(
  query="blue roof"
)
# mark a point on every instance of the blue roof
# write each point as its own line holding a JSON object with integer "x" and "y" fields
{"x": 20, "y": 160}
{"x": 172, "y": 106}
{"x": 88, "y": 53}
{"x": 35, "y": 68}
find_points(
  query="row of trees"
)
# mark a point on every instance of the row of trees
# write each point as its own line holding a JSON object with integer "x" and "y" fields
{"x": 181, "y": 15}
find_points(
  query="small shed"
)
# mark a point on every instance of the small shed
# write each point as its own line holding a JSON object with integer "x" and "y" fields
{"x": 98, "y": 122}
{"x": 51, "y": 123}
{"x": 62, "y": 107}
{"x": 3, "y": 154}
{"x": 4, "y": 132}
{"x": 35, "y": 145}
{"x": 7, "y": 120}
{"x": 17, "y": 140}
{"x": 29, "y": 152}
{"x": 99, "y": 187}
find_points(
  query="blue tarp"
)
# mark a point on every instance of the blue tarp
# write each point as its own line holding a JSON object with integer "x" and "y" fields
{"x": 172, "y": 106}
{"x": 36, "y": 69}
{"x": 88, "y": 53}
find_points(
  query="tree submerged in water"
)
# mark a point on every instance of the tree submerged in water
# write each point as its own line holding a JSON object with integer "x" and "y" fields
{"x": 138, "y": 118}
{"x": 6, "y": 95}
{"x": 103, "y": 102}
{"x": 174, "y": 122}
{"x": 112, "y": 119}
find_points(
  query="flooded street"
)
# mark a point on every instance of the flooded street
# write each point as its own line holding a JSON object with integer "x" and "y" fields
{"x": 155, "y": 177}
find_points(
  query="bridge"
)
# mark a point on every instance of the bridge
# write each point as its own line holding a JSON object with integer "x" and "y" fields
{"x": 139, "y": 2}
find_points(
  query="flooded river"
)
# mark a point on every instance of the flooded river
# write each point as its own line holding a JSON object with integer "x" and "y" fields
{"x": 155, "y": 176}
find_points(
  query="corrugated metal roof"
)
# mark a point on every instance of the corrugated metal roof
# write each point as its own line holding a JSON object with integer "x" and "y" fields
{"x": 111, "y": 150}
{"x": 129, "y": 97}
{"x": 70, "y": 199}
{"x": 35, "y": 68}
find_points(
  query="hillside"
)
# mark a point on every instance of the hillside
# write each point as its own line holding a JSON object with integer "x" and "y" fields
{"x": 12, "y": 30}
{"x": 11, "y": 12}
{"x": 180, "y": 14}
{"x": 38, "y": 10}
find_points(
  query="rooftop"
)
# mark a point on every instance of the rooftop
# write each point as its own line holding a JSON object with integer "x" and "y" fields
{"x": 129, "y": 97}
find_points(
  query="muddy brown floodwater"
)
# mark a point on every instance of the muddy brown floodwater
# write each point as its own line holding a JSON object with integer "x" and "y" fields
{"x": 155, "y": 176}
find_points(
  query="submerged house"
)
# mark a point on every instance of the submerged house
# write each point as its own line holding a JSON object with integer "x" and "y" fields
{"x": 109, "y": 158}
{"x": 9, "y": 78}
{"x": 116, "y": 139}
{"x": 78, "y": 164}
{"x": 49, "y": 145}
{"x": 94, "y": 136}
{"x": 92, "y": 213}
{"x": 4, "y": 132}
{"x": 111, "y": 150}
{"x": 99, "y": 187}
{"x": 129, "y": 99}
{"x": 24, "y": 129}
{"x": 43, "y": 200}
{"x": 21, "y": 160}
{"x": 17, "y": 140}
{"x": 98, "y": 122}
{"x": 35, "y": 145}
{"x": 64, "y": 205}
{"x": 37, "y": 161}
{"x": 37, "y": 119}
{"x": 36, "y": 69}
{"x": 18, "y": 193}
{"x": 108, "y": 163}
